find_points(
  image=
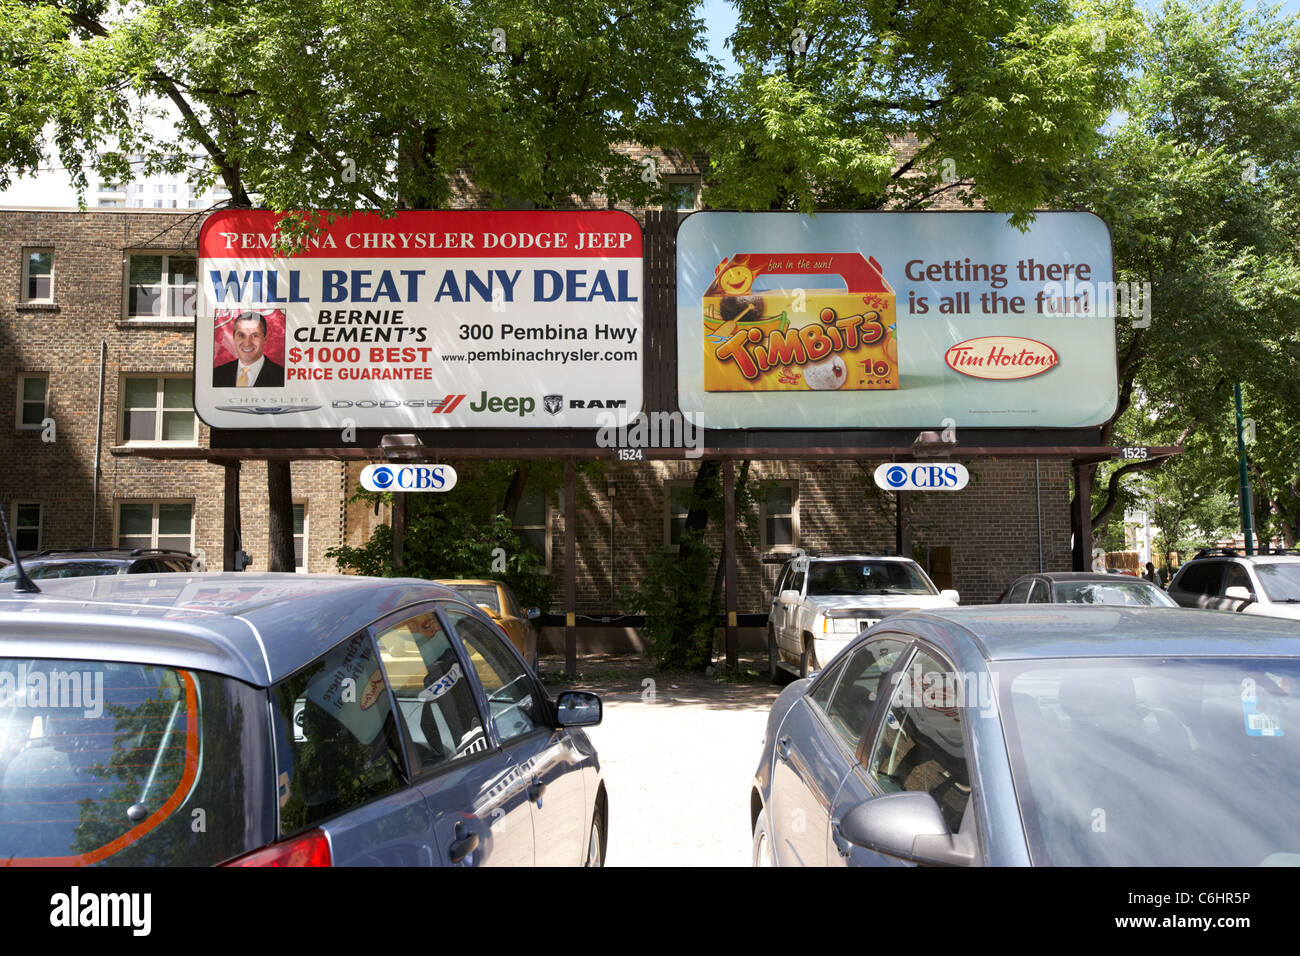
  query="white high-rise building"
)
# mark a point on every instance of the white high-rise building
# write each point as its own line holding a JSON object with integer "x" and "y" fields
{"x": 159, "y": 191}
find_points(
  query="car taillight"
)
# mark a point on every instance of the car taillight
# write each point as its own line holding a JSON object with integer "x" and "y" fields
{"x": 310, "y": 849}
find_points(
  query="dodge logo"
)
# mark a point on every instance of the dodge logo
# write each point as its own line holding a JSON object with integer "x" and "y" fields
{"x": 553, "y": 403}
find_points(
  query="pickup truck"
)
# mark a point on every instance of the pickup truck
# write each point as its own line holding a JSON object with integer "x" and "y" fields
{"x": 821, "y": 602}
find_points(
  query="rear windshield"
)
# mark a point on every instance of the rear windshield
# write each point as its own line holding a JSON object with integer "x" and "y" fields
{"x": 127, "y": 764}
{"x": 62, "y": 569}
{"x": 1129, "y": 593}
{"x": 481, "y": 594}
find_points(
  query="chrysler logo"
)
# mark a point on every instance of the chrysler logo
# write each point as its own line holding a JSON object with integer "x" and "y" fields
{"x": 266, "y": 409}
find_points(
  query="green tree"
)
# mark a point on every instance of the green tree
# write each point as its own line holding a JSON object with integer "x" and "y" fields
{"x": 338, "y": 105}
{"x": 1198, "y": 181}
{"x": 998, "y": 96}
{"x": 330, "y": 104}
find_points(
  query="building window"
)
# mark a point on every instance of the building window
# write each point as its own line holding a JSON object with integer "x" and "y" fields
{"x": 161, "y": 286}
{"x": 158, "y": 409}
{"x": 33, "y": 400}
{"x": 679, "y": 494}
{"x": 26, "y": 524}
{"x": 300, "y": 537}
{"x": 156, "y": 525}
{"x": 684, "y": 193}
{"x": 38, "y": 275}
{"x": 533, "y": 525}
{"x": 780, "y": 516}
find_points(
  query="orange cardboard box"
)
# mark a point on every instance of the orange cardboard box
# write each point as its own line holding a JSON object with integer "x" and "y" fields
{"x": 796, "y": 339}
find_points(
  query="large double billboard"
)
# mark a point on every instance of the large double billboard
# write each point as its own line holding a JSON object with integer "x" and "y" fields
{"x": 893, "y": 320}
{"x": 427, "y": 319}
{"x": 528, "y": 319}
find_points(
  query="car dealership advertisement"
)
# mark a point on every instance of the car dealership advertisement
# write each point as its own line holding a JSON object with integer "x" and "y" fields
{"x": 893, "y": 320}
{"x": 493, "y": 319}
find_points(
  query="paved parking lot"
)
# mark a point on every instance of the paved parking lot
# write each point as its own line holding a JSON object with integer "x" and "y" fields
{"x": 678, "y": 753}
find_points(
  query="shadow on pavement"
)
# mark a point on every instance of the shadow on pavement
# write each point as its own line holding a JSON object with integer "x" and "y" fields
{"x": 630, "y": 678}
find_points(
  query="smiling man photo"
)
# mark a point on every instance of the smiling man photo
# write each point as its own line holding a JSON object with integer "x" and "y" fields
{"x": 251, "y": 365}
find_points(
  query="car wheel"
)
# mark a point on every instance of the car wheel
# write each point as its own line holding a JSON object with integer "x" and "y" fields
{"x": 763, "y": 855}
{"x": 595, "y": 854}
{"x": 808, "y": 662}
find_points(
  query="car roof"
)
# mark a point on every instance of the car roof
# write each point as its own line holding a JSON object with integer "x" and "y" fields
{"x": 1055, "y": 576}
{"x": 258, "y": 628}
{"x": 1021, "y": 632}
{"x": 859, "y": 557}
{"x": 475, "y": 582}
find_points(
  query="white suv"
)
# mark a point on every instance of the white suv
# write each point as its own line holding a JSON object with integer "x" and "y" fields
{"x": 1266, "y": 583}
{"x": 821, "y": 602}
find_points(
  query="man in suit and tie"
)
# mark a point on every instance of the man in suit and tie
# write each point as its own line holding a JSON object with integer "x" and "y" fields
{"x": 251, "y": 366}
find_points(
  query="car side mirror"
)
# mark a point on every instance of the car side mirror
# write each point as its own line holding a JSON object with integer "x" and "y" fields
{"x": 909, "y": 826}
{"x": 951, "y": 595}
{"x": 577, "y": 708}
{"x": 533, "y": 613}
{"x": 1238, "y": 593}
{"x": 789, "y": 598}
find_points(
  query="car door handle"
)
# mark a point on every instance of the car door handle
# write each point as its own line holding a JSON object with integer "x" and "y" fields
{"x": 463, "y": 845}
{"x": 783, "y": 748}
{"x": 535, "y": 791}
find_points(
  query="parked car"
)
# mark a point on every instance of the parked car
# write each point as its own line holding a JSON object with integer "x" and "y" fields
{"x": 1063, "y": 735}
{"x": 279, "y": 720}
{"x": 821, "y": 602}
{"x": 91, "y": 562}
{"x": 496, "y": 598}
{"x": 1266, "y": 583}
{"x": 1084, "y": 587}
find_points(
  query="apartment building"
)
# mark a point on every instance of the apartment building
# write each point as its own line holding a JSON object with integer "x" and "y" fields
{"x": 97, "y": 354}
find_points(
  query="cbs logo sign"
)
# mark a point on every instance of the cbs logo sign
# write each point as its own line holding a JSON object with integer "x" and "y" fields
{"x": 408, "y": 477}
{"x": 931, "y": 476}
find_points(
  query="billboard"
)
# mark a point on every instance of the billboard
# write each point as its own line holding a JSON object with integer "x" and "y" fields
{"x": 895, "y": 320}
{"x": 428, "y": 319}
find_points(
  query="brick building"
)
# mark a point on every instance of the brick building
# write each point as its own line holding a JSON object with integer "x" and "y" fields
{"x": 97, "y": 352}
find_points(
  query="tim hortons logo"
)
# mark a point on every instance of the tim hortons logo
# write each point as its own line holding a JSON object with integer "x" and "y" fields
{"x": 1001, "y": 357}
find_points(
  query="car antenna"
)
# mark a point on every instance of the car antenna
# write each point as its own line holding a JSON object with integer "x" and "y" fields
{"x": 24, "y": 583}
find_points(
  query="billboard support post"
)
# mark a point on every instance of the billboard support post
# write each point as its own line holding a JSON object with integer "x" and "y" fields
{"x": 570, "y": 573}
{"x": 399, "y": 527}
{"x": 729, "y": 557}
{"x": 903, "y": 529}
{"x": 1081, "y": 516}
{"x": 230, "y": 512}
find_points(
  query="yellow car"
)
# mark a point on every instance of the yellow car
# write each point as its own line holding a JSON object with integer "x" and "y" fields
{"x": 499, "y": 602}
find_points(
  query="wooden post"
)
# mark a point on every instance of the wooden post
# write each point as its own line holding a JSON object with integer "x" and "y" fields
{"x": 903, "y": 532}
{"x": 729, "y": 558}
{"x": 399, "y": 527}
{"x": 1081, "y": 517}
{"x": 570, "y": 573}
{"x": 230, "y": 514}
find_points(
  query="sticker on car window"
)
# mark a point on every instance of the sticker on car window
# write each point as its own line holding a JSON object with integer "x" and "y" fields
{"x": 442, "y": 685}
{"x": 1258, "y": 724}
